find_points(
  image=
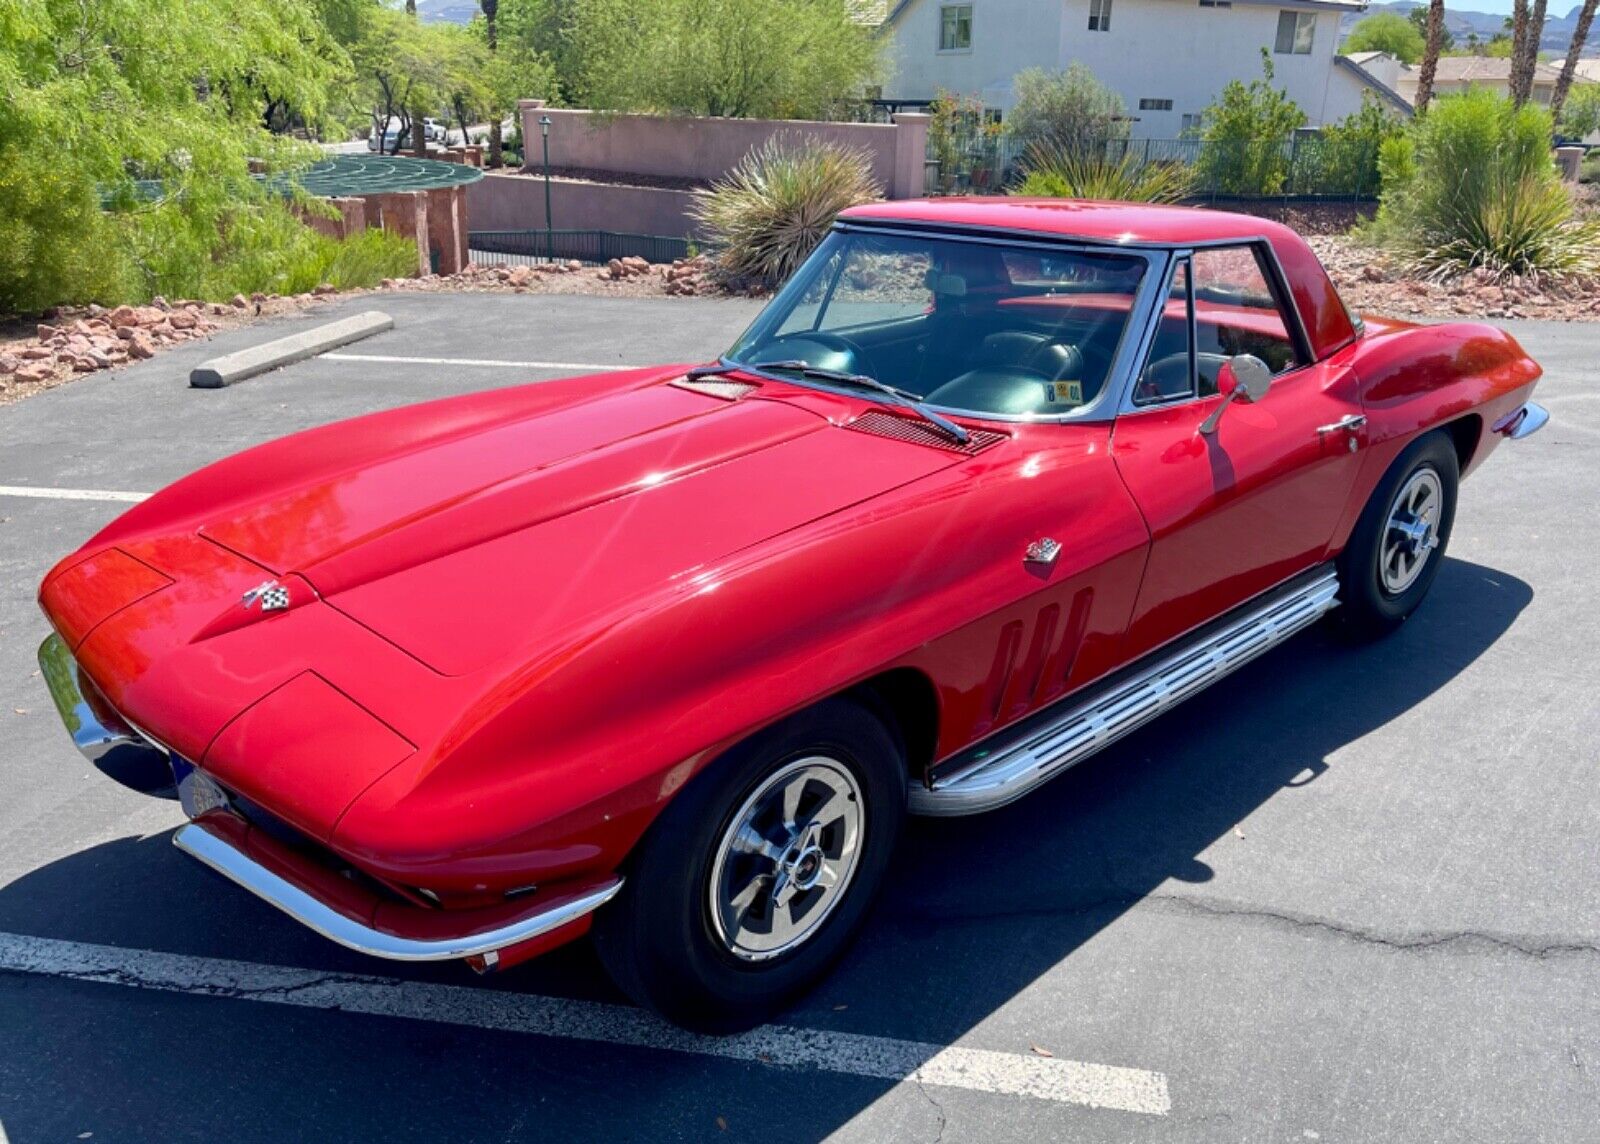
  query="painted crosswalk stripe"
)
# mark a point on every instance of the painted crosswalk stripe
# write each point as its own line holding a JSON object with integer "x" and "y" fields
{"x": 852, "y": 1054}
{"x": 581, "y": 367}
{"x": 71, "y": 494}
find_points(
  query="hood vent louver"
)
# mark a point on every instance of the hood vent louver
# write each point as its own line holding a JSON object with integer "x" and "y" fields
{"x": 717, "y": 387}
{"x": 899, "y": 428}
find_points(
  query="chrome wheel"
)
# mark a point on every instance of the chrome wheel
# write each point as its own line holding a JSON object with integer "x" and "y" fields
{"x": 786, "y": 858}
{"x": 1412, "y": 531}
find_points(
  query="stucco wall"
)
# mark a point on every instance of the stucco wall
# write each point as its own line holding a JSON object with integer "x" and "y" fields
{"x": 516, "y": 202}
{"x": 688, "y": 147}
{"x": 1156, "y": 49}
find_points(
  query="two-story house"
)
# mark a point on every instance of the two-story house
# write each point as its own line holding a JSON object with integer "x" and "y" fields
{"x": 1168, "y": 59}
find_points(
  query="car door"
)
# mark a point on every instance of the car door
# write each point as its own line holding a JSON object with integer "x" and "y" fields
{"x": 1238, "y": 509}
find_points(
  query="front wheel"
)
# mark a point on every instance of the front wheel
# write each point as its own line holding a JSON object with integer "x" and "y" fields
{"x": 1398, "y": 544}
{"x": 755, "y": 878}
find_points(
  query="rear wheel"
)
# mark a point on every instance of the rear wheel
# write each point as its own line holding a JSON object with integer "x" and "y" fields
{"x": 1396, "y": 547}
{"x": 755, "y": 878}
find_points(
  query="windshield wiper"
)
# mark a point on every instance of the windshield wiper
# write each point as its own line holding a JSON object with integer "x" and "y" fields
{"x": 899, "y": 396}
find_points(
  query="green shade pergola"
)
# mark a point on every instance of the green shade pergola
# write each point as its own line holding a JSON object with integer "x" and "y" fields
{"x": 354, "y": 175}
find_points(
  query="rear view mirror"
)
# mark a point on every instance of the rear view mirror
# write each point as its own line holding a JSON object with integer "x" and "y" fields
{"x": 1244, "y": 377}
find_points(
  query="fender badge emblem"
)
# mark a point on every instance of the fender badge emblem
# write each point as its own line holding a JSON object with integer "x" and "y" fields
{"x": 272, "y": 596}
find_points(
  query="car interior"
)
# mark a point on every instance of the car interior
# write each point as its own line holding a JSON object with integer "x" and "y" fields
{"x": 1008, "y": 331}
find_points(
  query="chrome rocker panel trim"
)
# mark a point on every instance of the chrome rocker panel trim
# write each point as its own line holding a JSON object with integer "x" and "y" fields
{"x": 1040, "y": 752}
{"x": 200, "y": 843}
{"x": 1524, "y": 421}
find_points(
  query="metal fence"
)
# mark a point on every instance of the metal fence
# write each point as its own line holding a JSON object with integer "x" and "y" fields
{"x": 1305, "y": 166}
{"x": 590, "y": 246}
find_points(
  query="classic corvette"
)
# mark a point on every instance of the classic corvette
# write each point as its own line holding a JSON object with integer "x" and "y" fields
{"x": 670, "y": 653}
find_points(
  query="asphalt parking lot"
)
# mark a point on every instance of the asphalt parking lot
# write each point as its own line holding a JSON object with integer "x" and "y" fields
{"x": 1350, "y": 896}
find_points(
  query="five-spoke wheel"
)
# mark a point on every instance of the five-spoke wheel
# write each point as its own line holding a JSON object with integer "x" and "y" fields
{"x": 756, "y": 876}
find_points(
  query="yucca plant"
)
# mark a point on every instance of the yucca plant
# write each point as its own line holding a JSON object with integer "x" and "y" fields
{"x": 1060, "y": 173}
{"x": 1477, "y": 191}
{"x": 771, "y": 210}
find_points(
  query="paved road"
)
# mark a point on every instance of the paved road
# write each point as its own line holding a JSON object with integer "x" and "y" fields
{"x": 1350, "y": 897}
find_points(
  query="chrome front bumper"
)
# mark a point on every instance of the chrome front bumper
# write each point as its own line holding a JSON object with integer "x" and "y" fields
{"x": 359, "y": 919}
{"x": 105, "y": 738}
{"x": 1524, "y": 421}
{"x": 351, "y": 912}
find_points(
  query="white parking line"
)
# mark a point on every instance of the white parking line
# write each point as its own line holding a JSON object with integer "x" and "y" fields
{"x": 878, "y": 1058}
{"x": 71, "y": 494}
{"x": 582, "y": 366}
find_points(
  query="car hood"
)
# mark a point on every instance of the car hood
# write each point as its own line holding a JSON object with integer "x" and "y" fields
{"x": 529, "y": 531}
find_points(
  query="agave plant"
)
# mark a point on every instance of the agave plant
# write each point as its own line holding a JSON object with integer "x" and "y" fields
{"x": 1473, "y": 188}
{"x": 1060, "y": 173}
{"x": 771, "y": 210}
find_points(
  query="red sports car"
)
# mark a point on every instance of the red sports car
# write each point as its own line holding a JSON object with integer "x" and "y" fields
{"x": 670, "y": 653}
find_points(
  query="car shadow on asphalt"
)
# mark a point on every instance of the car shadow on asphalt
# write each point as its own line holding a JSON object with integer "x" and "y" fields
{"x": 941, "y": 952}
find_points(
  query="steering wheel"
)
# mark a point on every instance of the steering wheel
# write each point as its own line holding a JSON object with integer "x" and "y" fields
{"x": 836, "y": 353}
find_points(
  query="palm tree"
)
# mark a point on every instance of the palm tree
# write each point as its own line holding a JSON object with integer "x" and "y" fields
{"x": 491, "y": 10}
{"x": 1580, "y": 35}
{"x": 1430, "y": 53}
{"x": 1526, "y": 30}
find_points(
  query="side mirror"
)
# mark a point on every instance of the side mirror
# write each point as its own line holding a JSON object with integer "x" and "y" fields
{"x": 1245, "y": 378}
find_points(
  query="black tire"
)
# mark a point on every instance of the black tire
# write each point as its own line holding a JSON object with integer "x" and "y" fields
{"x": 1369, "y": 607}
{"x": 658, "y": 938}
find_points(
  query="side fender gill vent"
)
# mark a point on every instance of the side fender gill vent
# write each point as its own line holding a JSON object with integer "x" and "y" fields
{"x": 899, "y": 428}
{"x": 717, "y": 387}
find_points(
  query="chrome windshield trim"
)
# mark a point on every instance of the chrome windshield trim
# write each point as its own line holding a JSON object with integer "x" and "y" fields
{"x": 208, "y": 847}
{"x": 1118, "y": 378}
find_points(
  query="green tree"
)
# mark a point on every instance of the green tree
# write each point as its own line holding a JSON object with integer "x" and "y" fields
{"x": 1580, "y": 113}
{"x": 755, "y": 58}
{"x": 1386, "y": 32}
{"x": 1245, "y": 134}
{"x": 1067, "y": 112}
{"x": 1419, "y": 20}
{"x": 154, "y": 108}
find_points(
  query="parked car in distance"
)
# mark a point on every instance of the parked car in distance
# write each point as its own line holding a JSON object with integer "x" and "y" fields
{"x": 668, "y": 654}
{"x": 388, "y": 141}
{"x": 434, "y": 131}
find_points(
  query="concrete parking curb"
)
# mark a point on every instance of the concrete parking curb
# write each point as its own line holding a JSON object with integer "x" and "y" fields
{"x": 218, "y": 372}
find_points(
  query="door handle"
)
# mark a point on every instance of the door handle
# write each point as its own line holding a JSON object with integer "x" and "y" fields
{"x": 1348, "y": 423}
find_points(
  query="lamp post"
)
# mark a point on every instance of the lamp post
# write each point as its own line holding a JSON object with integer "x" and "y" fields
{"x": 549, "y": 235}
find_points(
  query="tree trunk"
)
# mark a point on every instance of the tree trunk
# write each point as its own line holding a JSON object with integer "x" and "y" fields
{"x": 1430, "y": 53}
{"x": 1580, "y": 34}
{"x": 1527, "y": 28}
{"x": 491, "y": 10}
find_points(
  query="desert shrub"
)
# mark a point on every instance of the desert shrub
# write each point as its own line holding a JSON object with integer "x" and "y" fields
{"x": 258, "y": 245}
{"x": 1343, "y": 158}
{"x": 1473, "y": 187}
{"x": 1245, "y": 134}
{"x": 1056, "y": 173}
{"x": 771, "y": 210}
{"x": 1068, "y": 111}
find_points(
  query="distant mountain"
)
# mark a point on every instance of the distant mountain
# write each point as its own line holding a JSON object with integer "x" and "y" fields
{"x": 1460, "y": 24}
{"x": 447, "y": 11}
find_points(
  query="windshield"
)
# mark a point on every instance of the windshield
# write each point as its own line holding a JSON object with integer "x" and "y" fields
{"x": 980, "y": 327}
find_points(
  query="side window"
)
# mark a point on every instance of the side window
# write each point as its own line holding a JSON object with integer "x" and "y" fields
{"x": 1236, "y": 311}
{"x": 1169, "y": 369}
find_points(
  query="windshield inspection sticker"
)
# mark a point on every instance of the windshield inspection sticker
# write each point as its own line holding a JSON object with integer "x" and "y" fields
{"x": 1064, "y": 392}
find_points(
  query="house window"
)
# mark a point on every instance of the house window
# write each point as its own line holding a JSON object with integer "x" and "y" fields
{"x": 1192, "y": 123}
{"x": 1295, "y": 30}
{"x": 955, "y": 28}
{"x": 1099, "y": 15}
{"x": 1155, "y": 105}
{"x": 1216, "y": 3}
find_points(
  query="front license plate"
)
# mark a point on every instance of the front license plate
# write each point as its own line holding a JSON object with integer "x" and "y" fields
{"x": 196, "y": 792}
